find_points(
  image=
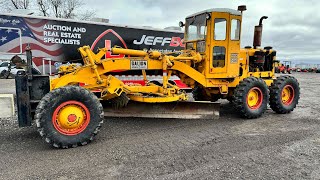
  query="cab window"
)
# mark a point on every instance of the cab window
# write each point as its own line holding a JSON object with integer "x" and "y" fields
{"x": 220, "y": 29}
{"x": 235, "y": 29}
{"x": 219, "y": 56}
{"x": 196, "y": 27}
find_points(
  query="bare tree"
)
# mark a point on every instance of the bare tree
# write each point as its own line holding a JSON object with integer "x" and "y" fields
{"x": 43, "y": 7}
{"x": 70, "y": 9}
{"x": 71, "y": 6}
{"x": 63, "y": 8}
{"x": 20, "y": 4}
{"x": 86, "y": 15}
{"x": 9, "y": 5}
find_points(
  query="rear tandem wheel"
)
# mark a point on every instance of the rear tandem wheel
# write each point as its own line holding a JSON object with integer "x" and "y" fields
{"x": 284, "y": 94}
{"x": 251, "y": 97}
{"x": 69, "y": 116}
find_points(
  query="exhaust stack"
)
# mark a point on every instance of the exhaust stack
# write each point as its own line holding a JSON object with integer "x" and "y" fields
{"x": 258, "y": 33}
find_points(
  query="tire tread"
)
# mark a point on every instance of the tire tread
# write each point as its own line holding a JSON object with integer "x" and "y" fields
{"x": 241, "y": 90}
{"x": 275, "y": 90}
{"x": 51, "y": 97}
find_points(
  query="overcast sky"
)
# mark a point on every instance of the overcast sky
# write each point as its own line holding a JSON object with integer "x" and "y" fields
{"x": 292, "y": 28}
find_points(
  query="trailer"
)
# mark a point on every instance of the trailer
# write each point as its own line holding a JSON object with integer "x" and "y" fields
{"x": 54, "y": 41}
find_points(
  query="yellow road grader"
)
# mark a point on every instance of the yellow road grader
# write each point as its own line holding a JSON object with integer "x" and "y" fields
{"x": 212, "y": 64}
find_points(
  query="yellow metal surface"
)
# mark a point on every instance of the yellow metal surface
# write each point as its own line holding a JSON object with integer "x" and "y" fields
{"x": 268, "y": 81}
{"x": 154, "y": 54}
{"x": 159, "y": 99}
{"x": 253, "y": 97}
{"x": 216, "y": 73}
{"x": 287, "y": 94}
{"x": 128, "y": 52}
{"x": 234, "y": 83}
{"x": 187, "y": 70}
{"x": 144, "y": 76}
{"x": 266, "y": 74}
{"x": 223, "y": 89}
{"x": 71, "y": 117}
{"x": 145, "y": 89}
{"x": 67, "y": 68}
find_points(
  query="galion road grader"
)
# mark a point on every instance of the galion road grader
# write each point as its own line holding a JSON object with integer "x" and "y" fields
{"x": 68, "y": 114}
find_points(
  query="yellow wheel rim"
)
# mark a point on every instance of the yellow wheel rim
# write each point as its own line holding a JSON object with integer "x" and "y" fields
{"x": 287, "y": 95}
{"x": 254, "y": 98}
{"x": 71, "y": 118}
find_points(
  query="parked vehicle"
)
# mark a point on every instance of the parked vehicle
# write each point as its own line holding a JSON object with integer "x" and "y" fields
{"x": 284, "y": 68}
{"x": 7, "y": 70}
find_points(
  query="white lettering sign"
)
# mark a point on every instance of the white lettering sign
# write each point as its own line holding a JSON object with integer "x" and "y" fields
{"x": 137, "y": 64}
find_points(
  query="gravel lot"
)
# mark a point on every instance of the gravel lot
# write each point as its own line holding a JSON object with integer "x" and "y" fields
{"x": 271, "y": 147}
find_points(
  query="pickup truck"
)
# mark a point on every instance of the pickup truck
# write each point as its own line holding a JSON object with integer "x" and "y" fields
{"x": 4, "y": 70}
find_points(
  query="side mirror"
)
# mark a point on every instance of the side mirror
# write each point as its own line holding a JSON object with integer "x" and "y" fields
{"x": 181, "y": 24}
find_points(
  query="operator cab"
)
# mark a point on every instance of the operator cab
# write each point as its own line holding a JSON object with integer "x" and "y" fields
{"x": 215, "y": 33}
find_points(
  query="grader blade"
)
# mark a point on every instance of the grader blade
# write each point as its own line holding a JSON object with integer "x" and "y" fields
{"x": 172, "y": 110}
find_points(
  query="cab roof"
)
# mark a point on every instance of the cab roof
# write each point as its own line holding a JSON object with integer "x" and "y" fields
{"x": 227, "y": 10}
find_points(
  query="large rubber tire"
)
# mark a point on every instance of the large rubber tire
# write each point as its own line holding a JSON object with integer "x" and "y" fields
{"x": 241, "y": 97}
{"x": 120, "y": 101}
{"x": 230, "y": 99}
{"x": 276, "y": 94}
{"x": 199, "y": 94}
{"x": 50, "y": 104}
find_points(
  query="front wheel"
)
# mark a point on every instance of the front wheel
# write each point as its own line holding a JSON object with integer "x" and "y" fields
{"x": 199, "y": 94}
{"x": 251, "y": 97}
{"x": 69, "y": 116}
{"x": 284, "y": 94}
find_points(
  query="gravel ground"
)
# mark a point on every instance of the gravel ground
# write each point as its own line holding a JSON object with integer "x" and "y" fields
{"x": 271, "y": 147}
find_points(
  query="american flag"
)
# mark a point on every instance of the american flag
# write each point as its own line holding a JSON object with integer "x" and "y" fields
{"x": 31, "y": 33}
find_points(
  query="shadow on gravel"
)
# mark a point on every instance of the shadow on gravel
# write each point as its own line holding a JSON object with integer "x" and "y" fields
{"x": 227, "y": 110}
{"x": 227, "y": 114}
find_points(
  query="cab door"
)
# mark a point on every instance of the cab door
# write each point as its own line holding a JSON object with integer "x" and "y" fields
{"x": 234, "y": 46}
{"x": 225, "y": 45}
{"x": 219, "y": 44}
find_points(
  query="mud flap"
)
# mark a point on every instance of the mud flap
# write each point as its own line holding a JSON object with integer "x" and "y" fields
{"x": 23, "y": 99}
{"x": 29, "y": 90}
{"x": 173, "y": 110}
